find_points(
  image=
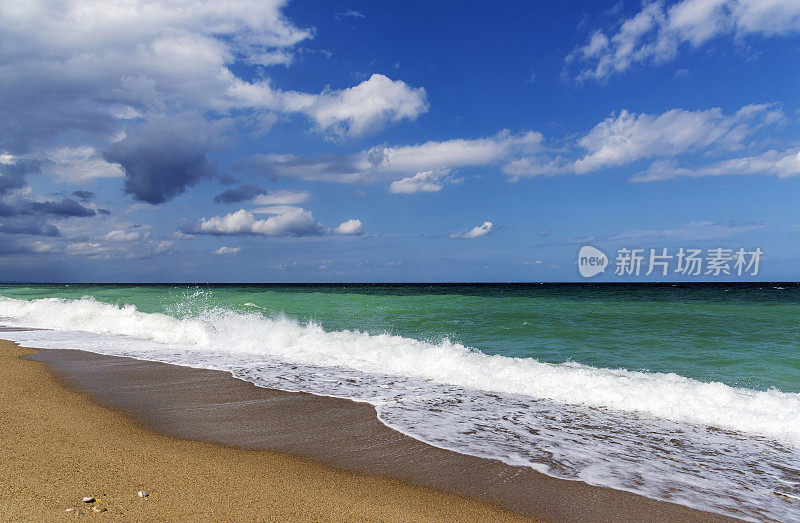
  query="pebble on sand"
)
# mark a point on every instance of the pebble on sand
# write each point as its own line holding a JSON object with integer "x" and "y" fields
{"x": 142, "y": 494}
{"x": 88, "y": 499}
{"x": 69, "y": 510}
{"x": 98, "y": 508}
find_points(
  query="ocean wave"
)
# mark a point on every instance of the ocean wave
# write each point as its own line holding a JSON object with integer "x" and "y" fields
{"x": 772, "y": 413}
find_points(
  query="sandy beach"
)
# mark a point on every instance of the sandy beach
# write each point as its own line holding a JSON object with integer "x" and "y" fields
{"x": 103, "y": 426}
{"x": 58, "y": 446}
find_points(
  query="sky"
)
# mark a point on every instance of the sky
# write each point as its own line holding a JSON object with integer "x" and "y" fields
{"x": 352, "y": 141}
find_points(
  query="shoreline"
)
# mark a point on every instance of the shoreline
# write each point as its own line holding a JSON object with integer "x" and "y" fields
{"x": 212, "y": 408}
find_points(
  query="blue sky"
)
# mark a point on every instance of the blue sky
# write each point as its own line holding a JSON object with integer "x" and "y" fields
{"x": 393, "y": 141}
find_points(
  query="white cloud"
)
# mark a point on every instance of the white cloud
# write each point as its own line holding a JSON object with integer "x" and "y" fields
{"x": 656, "y": 33}
{"x": 455, "y": 153}
{"x": 350, "y": 112}
{"x": 121, "y": 235}
{"x": 351, "y": 227}
{"x": 74, "y": 74}
{"x": 295, "y": 222}
{"x": 80, "y": 165}
{"x": 366, "y": 107}
{"x": 40, "y": 246}
{"x": 403, "y": 163}
{"x": 426, "y": 181}
{"x": 475, "y": 232}
{"x": 781, "y": 164}
{"x": 285, "y": 220}
{"x": 628, "y": 137}
{"x": 163, "y": 246}
{"x": 89, "y": 65}
{"x": 228, "y": 250}
{"x": 87, "y": 249}
{"x": 282, "y": 197}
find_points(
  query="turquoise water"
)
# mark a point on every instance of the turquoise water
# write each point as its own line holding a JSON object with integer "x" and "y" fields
{"x": 683, "y": 393}
{"x": 744, "y": 336}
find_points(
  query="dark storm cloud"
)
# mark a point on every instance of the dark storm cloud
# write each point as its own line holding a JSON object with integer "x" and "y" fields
{"x": 240, "y": 194}
{"x": 35, "y": 225}
{"x": 163, "y": 157}
{"x": 9, "y": 182}
{"x": 7, "y": 211}
{"x": 26, "y": 216}
{"x": 31, "y": 217}
{"x": 66, "y": 208}
{"x": 84, "y": 196}
{"x": 13, "y": 246}
{"x": 13, "y": 176}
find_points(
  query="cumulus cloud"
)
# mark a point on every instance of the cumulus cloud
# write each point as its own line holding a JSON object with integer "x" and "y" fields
{"x": 123, "y": 235}
{"x": 426, "y": 181}
{"x": 475, "y": 232}
{"x": 285, "y": 220}
{"x": 294, "y": 222}
{"x": 67, "y": 66}
{"x": 368, "y": 106}
{"x": 342, "y": 113}
{"x": 228, "y": 250}
{"x": 164, "y": 156}
{"x": 656, "y": 33}
{"x": 78, "y": 78}
{"x": 628, "y": 137}
{"x": 351, "y": 227}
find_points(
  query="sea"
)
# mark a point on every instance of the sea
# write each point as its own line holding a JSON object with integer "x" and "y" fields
{"x": 684, "y": 393}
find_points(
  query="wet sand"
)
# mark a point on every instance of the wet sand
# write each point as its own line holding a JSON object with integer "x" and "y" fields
{"x": 208, "y": 445}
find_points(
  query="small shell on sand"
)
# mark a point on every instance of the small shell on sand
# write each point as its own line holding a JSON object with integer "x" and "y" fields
{"x": 69, "y": 510}
{"x": 98, "y": 508}
{"x": 142, "y": 494}
{"x": 88, "y": 499}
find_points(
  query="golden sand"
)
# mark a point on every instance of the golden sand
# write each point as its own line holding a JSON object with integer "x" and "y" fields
{"x": 57, "y": 446}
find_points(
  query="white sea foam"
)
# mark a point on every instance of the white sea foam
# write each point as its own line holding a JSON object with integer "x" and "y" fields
{"x": 773, "y": 414}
